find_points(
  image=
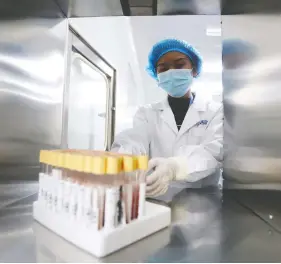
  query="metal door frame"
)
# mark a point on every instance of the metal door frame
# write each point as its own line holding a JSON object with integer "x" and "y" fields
{"x": 82, "y": 47}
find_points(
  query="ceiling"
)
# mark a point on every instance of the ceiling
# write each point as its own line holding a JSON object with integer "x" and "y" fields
{"x": 143, "y": 7}
{"x": 19, "y": 9}
{"x": 200, "y": 7}
{"x": 10, "y": 9}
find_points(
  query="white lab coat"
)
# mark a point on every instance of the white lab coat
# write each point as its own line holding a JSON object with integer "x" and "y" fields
{"x": 155, "y": 133}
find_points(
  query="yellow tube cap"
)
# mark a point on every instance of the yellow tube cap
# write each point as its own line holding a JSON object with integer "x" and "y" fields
{"x": 88, "y": 164}
{"x": 42, "y": 156}
{"x": 129, "y": 163}
{"x": 77, "y": 162}
{"x": 114, "y": 165}
{"x": 99, "y": 165}
{"x": 49, "y": 157}
{"x": 54, "y": 158}
{"x": 142, "y": 162}
{"x": 67, "y": 161}
{"x": 61, "y": 159}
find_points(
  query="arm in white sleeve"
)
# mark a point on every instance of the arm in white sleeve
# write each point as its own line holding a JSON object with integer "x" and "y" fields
{"x": 136, "y": 139}
{"x": 200, "y": 161}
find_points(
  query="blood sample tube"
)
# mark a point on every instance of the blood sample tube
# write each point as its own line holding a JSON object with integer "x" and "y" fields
{"x": 141, "y": 178}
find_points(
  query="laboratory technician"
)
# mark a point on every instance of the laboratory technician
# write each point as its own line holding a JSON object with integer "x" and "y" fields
{"x": 183, "y": 134}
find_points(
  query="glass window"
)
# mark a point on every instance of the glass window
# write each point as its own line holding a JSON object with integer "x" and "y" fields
{"x": 87, "y": 105}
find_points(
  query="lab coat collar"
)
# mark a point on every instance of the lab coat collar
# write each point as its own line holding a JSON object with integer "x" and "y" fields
{"x": 192, "y": 116}
{"x": 199, "y": 103}
{"x": 168, "y": 116}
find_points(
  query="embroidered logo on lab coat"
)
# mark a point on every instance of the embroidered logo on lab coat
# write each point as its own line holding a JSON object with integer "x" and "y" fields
{"x": 202, "y": 122}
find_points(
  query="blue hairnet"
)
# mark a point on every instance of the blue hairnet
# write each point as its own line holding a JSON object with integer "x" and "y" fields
{"x": 164, "y": 46}
{"x": 234, "y": 46}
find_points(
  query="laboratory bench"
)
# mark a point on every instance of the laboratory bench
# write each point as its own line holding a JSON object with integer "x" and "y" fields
{"x": 207, "y": 226}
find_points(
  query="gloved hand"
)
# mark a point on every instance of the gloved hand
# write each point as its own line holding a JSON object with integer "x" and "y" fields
{"x": 166, "y": 170}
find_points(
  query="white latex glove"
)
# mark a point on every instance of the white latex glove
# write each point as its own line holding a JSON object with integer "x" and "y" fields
{"x": 166, "y": 170}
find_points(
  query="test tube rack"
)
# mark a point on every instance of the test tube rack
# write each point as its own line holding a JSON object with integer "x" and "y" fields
{"x": 104, "y": 242}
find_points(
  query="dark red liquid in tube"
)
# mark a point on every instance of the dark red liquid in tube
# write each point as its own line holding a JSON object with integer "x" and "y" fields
{"x": 135, "y": 202}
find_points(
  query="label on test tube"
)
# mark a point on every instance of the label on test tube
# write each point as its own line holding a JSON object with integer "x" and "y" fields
{"x": 122, "y": 214}
{"x": 50, "y": 192}
{"x": 142, "y": 190}
{"x": 120, "y": 206}
{"x": 111, "y": 200}
{"x": 60, "y": 195}
{"x": 41, "y": 187}
{"x": 95, "y": 209}
{"x": 73, "y": 200}
{"x": 87, "y": 205}
{"x": 55, "y": 180}
{"x": 80, "y": 201}
{"x": 101, "y": 205}
{"x": 66, "y": 196}
{"x": 129, "y": 202}
{"x": 123, "y": 220}
{"x": 46, "y": 187}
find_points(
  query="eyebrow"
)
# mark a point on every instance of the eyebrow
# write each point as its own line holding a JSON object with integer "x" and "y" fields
{"x": 176, "y": 60}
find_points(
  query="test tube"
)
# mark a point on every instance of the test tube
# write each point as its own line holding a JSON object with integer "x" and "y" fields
{"x": 42, "y": 176}
{"x": 46, "y": 177}
{"x": 87, "y": 203}
{"x": 76, "y": 182}
{"x": 55, "y": 179}
{"x": 49, "y": 179}
{"x": 130, "y": 167}
{"x": 60, "y": 187}
{"x": 142, "y": 169}
{"x": 67, "y": 182}
{"x": 113, "y": 205}
{"x": 96, "y": 166}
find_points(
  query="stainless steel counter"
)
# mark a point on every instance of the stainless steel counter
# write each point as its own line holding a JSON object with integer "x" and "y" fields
{"x": 208, "y": 226}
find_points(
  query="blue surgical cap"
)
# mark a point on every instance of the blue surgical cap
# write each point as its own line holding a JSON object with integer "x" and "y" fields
{"x": 235, "y": 46}
{"x": 167, "y": 45}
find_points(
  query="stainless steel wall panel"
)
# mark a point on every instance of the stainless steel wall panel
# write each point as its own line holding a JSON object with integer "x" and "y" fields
{"x": 252, "y": 101}
{"x": 31, "y": 91}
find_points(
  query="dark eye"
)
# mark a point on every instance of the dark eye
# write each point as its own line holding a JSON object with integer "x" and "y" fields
{"x": 162, "y": 68}
{"x": 179, "y": 65}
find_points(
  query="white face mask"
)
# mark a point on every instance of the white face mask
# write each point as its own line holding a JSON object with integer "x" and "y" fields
{"x": 176, "y": 82}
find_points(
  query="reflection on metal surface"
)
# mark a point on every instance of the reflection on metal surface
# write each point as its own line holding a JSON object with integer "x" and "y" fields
{"x": 91, "y": 92}
{"x": 209, "y": 228}
{"x": 265, "y": 208}
{"x": 251, "y": 80}
{"x": 196, "y": 234}
{"x": 10, "y": 193}
{"x": 31, "y": 90}
{"x": 15, "y": 224}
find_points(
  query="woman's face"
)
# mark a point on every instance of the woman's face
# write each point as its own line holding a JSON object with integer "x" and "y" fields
{"x": 174, "y": 60}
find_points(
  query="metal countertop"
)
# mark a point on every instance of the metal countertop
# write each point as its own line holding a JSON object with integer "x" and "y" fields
{"x": 208, "y": 226}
